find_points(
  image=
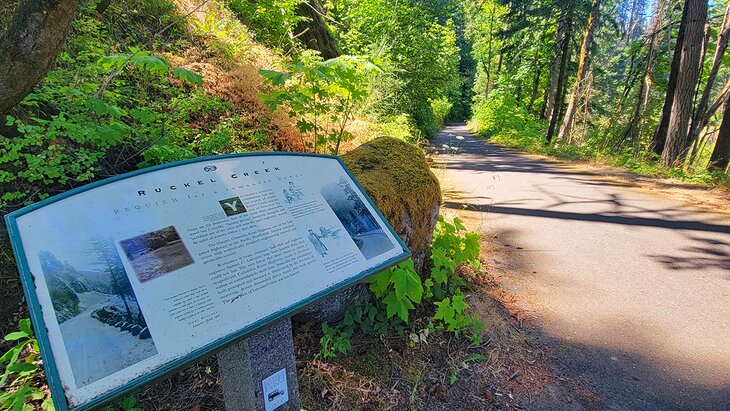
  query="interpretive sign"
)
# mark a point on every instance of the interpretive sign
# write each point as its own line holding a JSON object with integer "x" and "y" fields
{"x": 134, "y": 276}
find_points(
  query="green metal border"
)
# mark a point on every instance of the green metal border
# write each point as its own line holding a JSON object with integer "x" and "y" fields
{"x": 54, "y": 381}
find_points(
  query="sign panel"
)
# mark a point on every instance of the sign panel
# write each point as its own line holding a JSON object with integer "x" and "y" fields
{"x": 134, "y": 276}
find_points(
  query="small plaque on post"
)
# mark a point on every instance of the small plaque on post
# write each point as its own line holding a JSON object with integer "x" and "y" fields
{"x": 135, "y": 276}
{"x": 276, "y": 390}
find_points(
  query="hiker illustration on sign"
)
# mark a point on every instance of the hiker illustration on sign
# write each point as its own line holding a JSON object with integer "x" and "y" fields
{"x": 293, "y": 194}
{"x": 317, "y": 242}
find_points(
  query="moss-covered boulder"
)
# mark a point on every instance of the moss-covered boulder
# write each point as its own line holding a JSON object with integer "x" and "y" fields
{"x": 398, "y": 179}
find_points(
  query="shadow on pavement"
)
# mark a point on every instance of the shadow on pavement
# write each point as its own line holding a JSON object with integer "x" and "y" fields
{"x": 601, "y": 218}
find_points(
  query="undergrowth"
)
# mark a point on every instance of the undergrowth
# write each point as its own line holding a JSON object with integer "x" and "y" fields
{"x": 400, "y": 293}
{"x": 503, "y": 121}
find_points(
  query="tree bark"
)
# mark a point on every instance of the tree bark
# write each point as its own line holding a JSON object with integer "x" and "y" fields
{"x": 555, "y": 68}
{"x": 30, "y": 44}
{"x": 559, "y": 94}
{"x": 696, "y": 16}
{"x": 720, "y": 156}
{"x": 659, "y": 139}
{"x": 313, "y": 31}
{"x": 697, "y": 120}
{"x": 582, "y": 69}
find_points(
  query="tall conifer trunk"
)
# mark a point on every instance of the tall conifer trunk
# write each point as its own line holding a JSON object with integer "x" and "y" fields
{"x": 559, "y": 89}
{"x": 720, "y": 156}
{"x": 696, "y": 16}
{"x": 698, "y": 122}
{"x": 659, "y": 139}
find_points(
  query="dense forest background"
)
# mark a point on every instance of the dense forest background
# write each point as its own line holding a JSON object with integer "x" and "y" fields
{"x": 132, "y": 83}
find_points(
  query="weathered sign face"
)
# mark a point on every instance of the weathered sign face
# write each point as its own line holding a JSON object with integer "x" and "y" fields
{"x": 134, "y": 276}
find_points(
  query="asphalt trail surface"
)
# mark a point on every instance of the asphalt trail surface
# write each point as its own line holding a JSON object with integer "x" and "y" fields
{"x": 631, "y": 291}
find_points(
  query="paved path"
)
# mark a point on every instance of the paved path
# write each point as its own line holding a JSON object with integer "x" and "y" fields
{"x": 631, "y": 290}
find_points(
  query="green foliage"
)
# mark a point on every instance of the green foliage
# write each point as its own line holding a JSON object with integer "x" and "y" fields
{"x": 271, "y": 21}
{"x": 417, "y": 47}
{"x": 22, "y": 365}
{"x": 398, "y": 288}
{"x": 400, "y": 292}
{"x": 321, "y": 96}
{"x": 401, "y": 127}
{"x": 127, "y": 404}
{"x": 334, "y": 341}
{"x": 61, "y": 133}
{"x": 619, "y": 102}
{"x": 441, "y": 108}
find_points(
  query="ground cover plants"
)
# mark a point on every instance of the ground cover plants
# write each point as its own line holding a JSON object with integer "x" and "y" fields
{"x": 400, "y": 293}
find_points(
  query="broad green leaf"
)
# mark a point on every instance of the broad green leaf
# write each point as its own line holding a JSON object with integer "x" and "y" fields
{"x": 276, "y": 78}
{"x": 152, "y": 64}
{"x": 97, "y": 106}
{"x": 439, "y": 275}
{"x": 21, "y": 367}
{"x": 187, "y": 76}
{"x": 114, "y": 61}
{"x": 459, "y": 224}
{"x": 444, "y": 312}
{"x": 380, "y": 282}
{"x": 407, "y": 284}
{"x": 16, "y": 336}
{"x": 458, "y": 303}
{"x": 24, "y": 326}
{"x": 396, "y": 306}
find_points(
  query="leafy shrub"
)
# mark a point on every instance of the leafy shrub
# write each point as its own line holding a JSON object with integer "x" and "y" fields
{"x": 22, "y": 366}
{"x": 399, "y": 291}
{"x": 321, "y": 96}
{"x": 441, "y": 108}
{"x": 401, "y": 127}
{"x": 271, "y": 21}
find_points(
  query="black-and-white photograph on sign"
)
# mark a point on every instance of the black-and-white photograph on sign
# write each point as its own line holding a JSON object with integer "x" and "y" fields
{"x": 101, "y": 324}
{"x": 156, "y": 253}
{"x": 359, "y": 222}
{"x": 166, "y": 265}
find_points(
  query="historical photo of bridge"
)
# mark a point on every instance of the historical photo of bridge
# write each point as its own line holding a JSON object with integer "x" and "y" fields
{"x": 156, "y": 253}
{"x": 102, "y": 327}
{"x": 360, "y": 224}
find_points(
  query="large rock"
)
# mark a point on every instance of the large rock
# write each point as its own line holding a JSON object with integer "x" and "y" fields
{"x": 398, "y": 179}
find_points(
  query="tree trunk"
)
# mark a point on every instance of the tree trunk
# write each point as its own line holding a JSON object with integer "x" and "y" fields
{"x": 555, "y": 68}
{"x": 697, "y": 120}
{"x": 582, "y": 69}
{"x": 30, "y": 44}
{"x": 559, "y": 94}
{"x": 659, "y": 139}
{"x": 721, "y": 153}
{"x": 313, "y": 32}
{"x": 696, "y": 16}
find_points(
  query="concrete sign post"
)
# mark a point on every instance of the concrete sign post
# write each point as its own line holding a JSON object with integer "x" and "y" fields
{"x": 260, "y": 372}
{"x": 132, "y": 277}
